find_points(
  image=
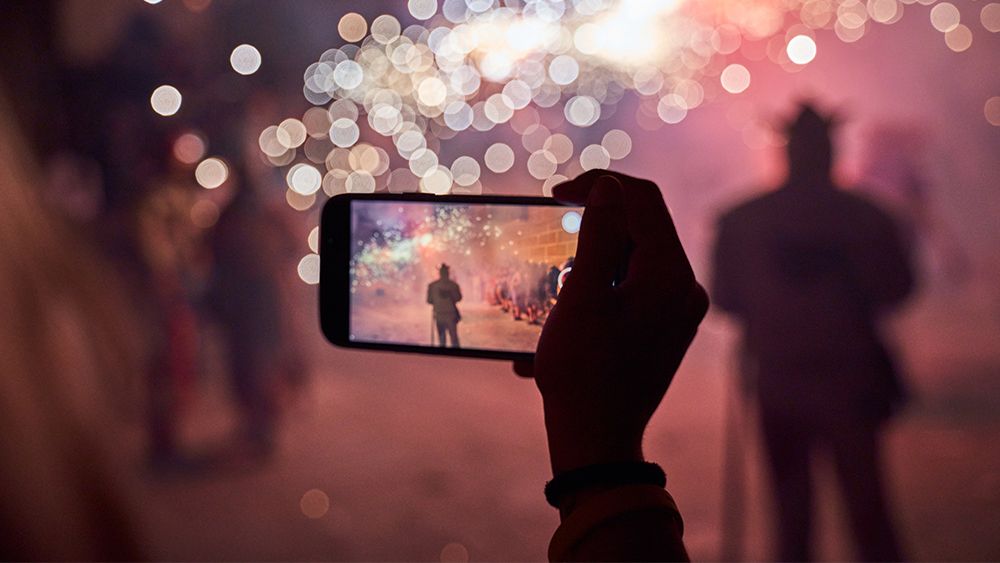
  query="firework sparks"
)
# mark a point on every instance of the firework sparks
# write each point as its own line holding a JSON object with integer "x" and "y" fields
{"x": 392, "y": 98}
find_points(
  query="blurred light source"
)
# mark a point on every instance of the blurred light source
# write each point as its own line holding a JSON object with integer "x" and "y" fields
{"x": 571, "y": 221}
{"x": 583, "y": 111}
{"x": 165, "y": 100}
{"x": 317, "y": 504}
{"x": 735, "y": 78}
{"x": 204, "y": 213}
{"x": 801, "y": 49}
{"x": 617, "y": 143}
{"x": 551, "y": 183}
{"x": 422, "y": 9}
{"x": 959, "y": 38}
{"x": 189, "y": 148}
{"x": 352, "y": 27}
{"x": 499, "y": 158}
{"x": 542, "y": 164}
{"x": 211, "y": 173}
{"x": 945, "y": 17}
{"x": 594, "y": 156}
{"x": 304, "y": 179}
{"x": 454, "y": 553}
{"x": 313, "y": 240}
{"x": 990, "y": 17}
{"x": 438, "y": 181}
{"x": 465, "y": 170}
{"x": 360, "y": 182}
{"x": 992, "y": 110}
{"x": 245, "y": 59}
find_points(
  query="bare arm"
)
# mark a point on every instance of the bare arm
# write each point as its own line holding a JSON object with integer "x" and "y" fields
{"x": 605, "y": 359}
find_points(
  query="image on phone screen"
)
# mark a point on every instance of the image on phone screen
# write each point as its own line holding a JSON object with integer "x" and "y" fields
{"x": 474, "y": 276}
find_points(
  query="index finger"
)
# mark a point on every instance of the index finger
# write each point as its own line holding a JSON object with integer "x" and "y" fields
{"x": 658, "y": 255}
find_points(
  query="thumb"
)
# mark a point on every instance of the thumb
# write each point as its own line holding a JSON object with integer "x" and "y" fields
{"x": 603, "y": 235}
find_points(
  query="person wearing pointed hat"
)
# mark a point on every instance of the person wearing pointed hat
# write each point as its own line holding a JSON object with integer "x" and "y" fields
{"x": 443, "y": 295}
{"x": 808, "y": 270}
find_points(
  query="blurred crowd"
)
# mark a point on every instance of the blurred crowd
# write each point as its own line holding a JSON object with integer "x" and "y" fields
{"x": 527, "y": 291}
{"x": 192, "y": 284}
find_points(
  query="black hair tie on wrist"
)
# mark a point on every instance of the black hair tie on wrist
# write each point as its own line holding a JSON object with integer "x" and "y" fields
{"x": 603, "y": 475}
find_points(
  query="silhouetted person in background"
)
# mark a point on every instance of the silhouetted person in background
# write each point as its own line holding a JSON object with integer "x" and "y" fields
{"x": 442, "y": 295}
{"x": 808, "y": 269}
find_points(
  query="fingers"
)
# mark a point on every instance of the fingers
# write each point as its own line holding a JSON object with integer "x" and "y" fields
{"x": 525, "y": 369}
{"x": 603, "y": 237}
{"x": 658, "y": 261}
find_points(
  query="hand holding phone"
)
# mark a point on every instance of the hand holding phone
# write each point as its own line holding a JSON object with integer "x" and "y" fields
{"x": 609, "y": 351}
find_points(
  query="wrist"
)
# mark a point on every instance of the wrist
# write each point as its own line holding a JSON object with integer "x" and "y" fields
{"x": 573, "y": 450}
{"x": 569, "y": 489}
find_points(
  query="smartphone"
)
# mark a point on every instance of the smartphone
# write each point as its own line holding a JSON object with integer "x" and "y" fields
{"x": 458, "y": 275}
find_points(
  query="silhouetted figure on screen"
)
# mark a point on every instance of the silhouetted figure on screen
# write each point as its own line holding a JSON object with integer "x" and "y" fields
{"x": 443, "y": 294}
{"x": 808, "y": 268}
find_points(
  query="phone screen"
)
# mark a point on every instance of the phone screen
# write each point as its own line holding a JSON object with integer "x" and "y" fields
{"x": 475, "y": 276}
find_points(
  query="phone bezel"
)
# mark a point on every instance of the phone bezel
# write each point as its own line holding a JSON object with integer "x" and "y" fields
{"x": 335, "y": 252}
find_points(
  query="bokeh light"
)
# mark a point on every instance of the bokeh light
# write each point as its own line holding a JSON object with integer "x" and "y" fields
{"x": 245, "y": 59}
{"x": 989, "y": 16}
{"x": 314, "y": 502}
{"x": 211, "y": 173}
{"x": 352, "y": 27}
{"x": 571, "y": 222}
{"x": 959, "y": 38}
{"x": 617, "y": 143}
{"x": 499, "y": 158}
{"x": 395, "y": 104}
{"x": 992, "y": 111}
{"x": 454, "y": 553}
{"x": 189, "y": 148}
{"x": 801, "y": 49}
{"x": 735, "y": 78}
{"x": 165, "y": 100}
{"x": 422, "y": 9}
{"x": 945, "y": 17}
{"x": 304, "y": 179}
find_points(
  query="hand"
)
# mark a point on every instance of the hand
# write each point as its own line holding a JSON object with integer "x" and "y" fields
{"x": 608, "y": 352}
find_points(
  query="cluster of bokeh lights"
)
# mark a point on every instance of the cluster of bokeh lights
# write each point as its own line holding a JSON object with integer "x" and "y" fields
{"x": 393, "y": 102}
{"x": 390, "y": 99}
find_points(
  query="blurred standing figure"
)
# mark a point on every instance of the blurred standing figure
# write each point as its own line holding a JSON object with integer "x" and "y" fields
{"x": 163, "y": 230}
{"x": 443, "y": 294}
{"x": 252, "y": 248}
{"x": 808, "y": 269}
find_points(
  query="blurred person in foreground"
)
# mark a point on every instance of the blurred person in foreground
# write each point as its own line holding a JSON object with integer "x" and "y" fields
{"x": 808, "y": 269}
{"x": 253, "y": 246}
{"x": 67, "y": 351}
{"x": 606, "y": 356}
